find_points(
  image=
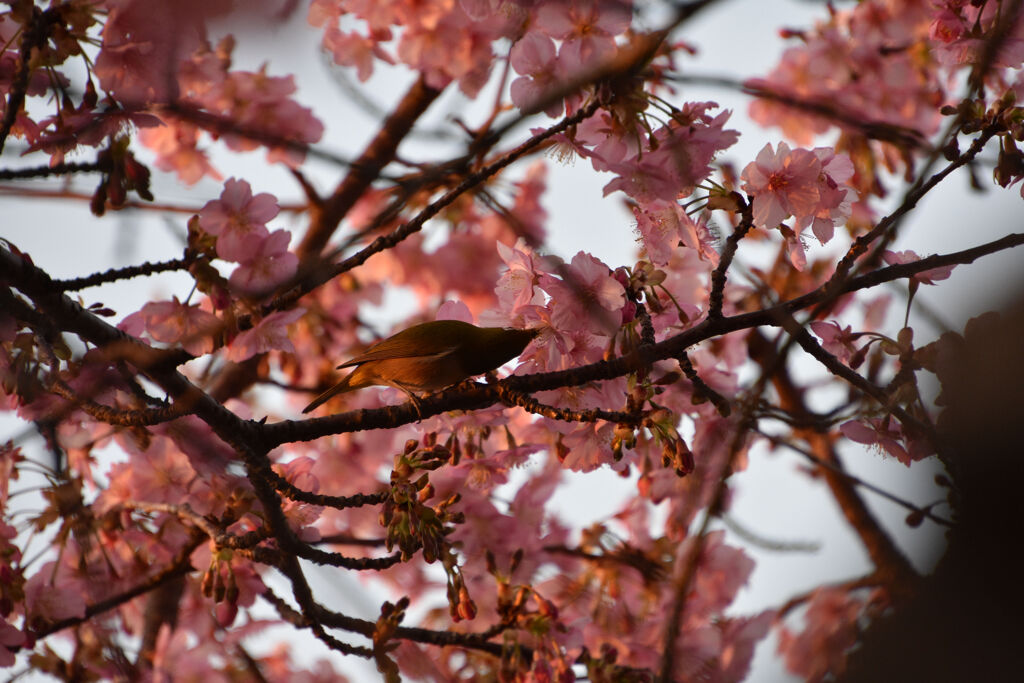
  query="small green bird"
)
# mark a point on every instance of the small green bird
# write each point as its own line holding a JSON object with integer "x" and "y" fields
{"x": 430, "y": 356}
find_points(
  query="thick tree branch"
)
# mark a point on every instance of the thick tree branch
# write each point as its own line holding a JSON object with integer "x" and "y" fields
{"x": 364, "y": 170}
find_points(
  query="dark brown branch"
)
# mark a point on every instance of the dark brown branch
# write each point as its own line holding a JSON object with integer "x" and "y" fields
{"x": 717, "y": 296}
{"x": 378, "y": 154}
{"x": 35, "y": 34}
{"x": 116, "y": 416}
{"x": 126, "y": 273}
{"x": 66, "y": 168}
{"x": 470, "y": 181}
{"x": 472, "y": 641}
{"x": 275, "y": 558}
{"x": 910, "y": 200}
{"x": 300, "y": 620}
{"x": 289, "y": 490}
{"x": 532, "y": 405}
{"x": 701, "y": 390}
{"x": 890, "y": 562}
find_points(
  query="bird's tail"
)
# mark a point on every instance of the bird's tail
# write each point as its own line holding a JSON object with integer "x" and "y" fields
{"x": 339, "y": 388}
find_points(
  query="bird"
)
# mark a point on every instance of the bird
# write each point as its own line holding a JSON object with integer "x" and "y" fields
{"x": 428, "y": 357}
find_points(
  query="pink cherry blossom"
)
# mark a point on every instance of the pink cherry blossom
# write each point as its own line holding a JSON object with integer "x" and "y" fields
{"x": 783, "y": 183}
{"x": 357, "y": 50}
{"x": 475, "y": 494}
{"x": 664, "y": 226}
{"x": 173, "y": 322}
{"x": 238, "y": 219}
{"x": 454, "y": 310}
{"x": 270, "y": 334}
{"x": 50, "y": 598}
{"x": 836, "y": 197}
{"x": 678, "y": 159}
{"x": 831, "y": 630}
{"x": 607, "y": 141}
{"x": 887, "y": 435}
{"x": 799, "y": 183}
{"x": 517, "y": 286}
{"x": 454, "y": 48}
{"x": 272, "y": 265}
{"x": 533, "y": 57}
{"x": 159, "y": 474}
{"x": 839, "y": 341}
{"x": 586, "y": 29}
{"x": 843, "y": 65}
{"x": 926, "y": 277}
{"x": 143, "y": 45}
{"x": 586, "y": 296}
{"x": 176, "y": 145}
{"x": 10, "y": 640}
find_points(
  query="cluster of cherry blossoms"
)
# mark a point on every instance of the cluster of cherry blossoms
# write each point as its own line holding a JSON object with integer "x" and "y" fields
{"x": 637, "y": 367}
{"x": 806, "y": 185}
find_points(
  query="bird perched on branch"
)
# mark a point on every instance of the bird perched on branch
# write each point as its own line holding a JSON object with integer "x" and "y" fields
{"x": 428, "y": 357}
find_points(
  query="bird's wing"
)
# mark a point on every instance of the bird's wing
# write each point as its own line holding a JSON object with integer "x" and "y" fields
{"x": 403, "y": 347}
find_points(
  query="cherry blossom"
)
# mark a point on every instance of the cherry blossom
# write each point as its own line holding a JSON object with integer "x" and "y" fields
{"x": 799, "y": 183}
{"x": 533, "y": 56}
{"x": 927, "y": 277}
{"x": 238, "y": 219}
{"x": 888, "y": 436}
{"x": 10, "y": 640}
{"x": 586, "y": 29}
{"x": 679, "y": 158}
{"x": 176, "y": 145}
{"x": 46, "y": 599}
{"x": 269, "y": 334}
{"x": 585, "y": 297}
{"x": 271, "y": 266}
{"x": 831, "y": 629}
{"x": 173, "y": 322}
{"x": 839, "y": 341}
